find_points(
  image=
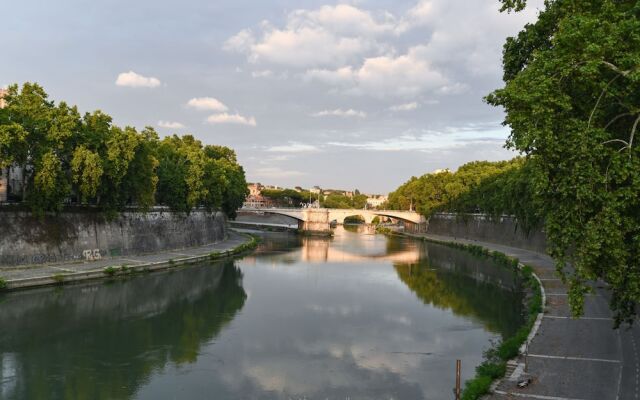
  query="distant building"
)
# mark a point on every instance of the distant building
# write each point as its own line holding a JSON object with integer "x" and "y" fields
{"x": 3, "y": 102}
{"x": 257, "y": 202}
{"x": 376, "y": 200}
{"x": 10, "y": 178}
{"x": 4, "y": 186}
{"x": 10, "y": 183}
{"x": 254, "y": 189}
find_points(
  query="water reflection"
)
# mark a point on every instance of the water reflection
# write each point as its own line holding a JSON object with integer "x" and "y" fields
{"x": 359, "y": 316}
{"x": 466, "y": 285}
{"x": 345, "y": 246}
{"x": 103, "y": 341}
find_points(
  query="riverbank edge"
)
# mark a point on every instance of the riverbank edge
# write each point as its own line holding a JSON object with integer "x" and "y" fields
{"x": 115, "y": 271}
{"x": 488, "y": 373}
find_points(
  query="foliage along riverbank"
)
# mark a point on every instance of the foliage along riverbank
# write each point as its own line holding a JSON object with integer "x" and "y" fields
{"x": 87, "y": 160}
{"x": 494, "y": 365}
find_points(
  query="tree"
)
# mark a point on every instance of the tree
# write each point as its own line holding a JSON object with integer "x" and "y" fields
{"x": 172, "y": 172}
{"x": 30, "y": 109}
{"x": 51, "y": 186}
{"x": 572, "y": 98}
{"x": 141, "y": 181}
{"x": 87, "y": 170}
{"x": 335, "y": 200}
{"x": 14, "y": 147}
{"x": 359, "y": 201}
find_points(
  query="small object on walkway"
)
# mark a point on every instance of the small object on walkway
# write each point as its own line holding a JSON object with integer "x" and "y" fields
{"x": 524, "y": 383}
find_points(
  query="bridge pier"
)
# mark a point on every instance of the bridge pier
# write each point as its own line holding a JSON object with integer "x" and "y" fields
{"x": 316, "y": 222}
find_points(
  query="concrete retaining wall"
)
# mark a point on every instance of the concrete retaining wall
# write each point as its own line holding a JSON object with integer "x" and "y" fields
{"x": 505, "y": 231}
{"x": 86, "y": 235}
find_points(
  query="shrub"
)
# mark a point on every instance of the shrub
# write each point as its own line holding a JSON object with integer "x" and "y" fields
{"x": 476, "y": 387}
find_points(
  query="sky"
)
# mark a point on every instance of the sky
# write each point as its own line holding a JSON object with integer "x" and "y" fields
{"x": 354, "y": 94}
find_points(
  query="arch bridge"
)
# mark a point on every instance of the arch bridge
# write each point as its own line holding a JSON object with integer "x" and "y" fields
{"x": 318, "y": 220}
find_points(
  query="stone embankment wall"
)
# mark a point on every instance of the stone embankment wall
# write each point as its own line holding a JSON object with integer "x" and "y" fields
{"x": 505, "y": 230}
{"x": 87, "y": 235}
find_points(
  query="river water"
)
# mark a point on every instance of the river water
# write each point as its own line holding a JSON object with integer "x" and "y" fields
{"x": 359, "y": 316}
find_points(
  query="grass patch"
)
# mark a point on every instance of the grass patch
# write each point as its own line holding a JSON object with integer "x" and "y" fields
{"x": 110, "y": 270}
{"x": 3, "y": 283}
{"x": 250, "y": 245}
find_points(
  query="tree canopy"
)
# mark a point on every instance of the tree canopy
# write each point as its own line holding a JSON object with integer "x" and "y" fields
{"x": 69, "y": 158}
{"x": 572, "y": 98}
{"x": 493, "y": 188}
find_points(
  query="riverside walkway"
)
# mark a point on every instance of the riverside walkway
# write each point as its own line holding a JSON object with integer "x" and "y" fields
{"x": 569, "y": 359}
{"x": 46, "y": 274}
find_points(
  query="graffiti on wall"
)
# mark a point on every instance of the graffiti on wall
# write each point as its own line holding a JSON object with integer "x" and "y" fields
{"x": 92, "y": 255}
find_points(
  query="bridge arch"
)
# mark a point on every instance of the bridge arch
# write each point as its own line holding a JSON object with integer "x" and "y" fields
{"x": 341, "y": 217}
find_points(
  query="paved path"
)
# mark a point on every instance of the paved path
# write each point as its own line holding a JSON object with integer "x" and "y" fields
{"x": 571, "y": 358}
{"x": 39, "y": 274}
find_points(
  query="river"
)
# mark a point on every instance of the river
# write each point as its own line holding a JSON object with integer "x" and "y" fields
{"x": 358, "y": 316}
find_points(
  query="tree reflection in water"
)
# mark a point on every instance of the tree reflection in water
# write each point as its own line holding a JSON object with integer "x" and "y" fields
{"x": 106, "y": 340}
{"x": 469, "y": 286}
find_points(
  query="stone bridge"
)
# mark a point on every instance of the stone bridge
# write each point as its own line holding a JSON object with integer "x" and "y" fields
{"x": 318, "y": 220}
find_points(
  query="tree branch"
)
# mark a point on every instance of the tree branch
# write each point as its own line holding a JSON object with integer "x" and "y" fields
{"x": 617, "y": 117}
{"x": 600, "y": 98}
{"x": 633, "y": 132}
{"x": 616, "y": 69}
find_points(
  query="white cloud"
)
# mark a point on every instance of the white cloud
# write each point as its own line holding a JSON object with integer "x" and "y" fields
{"x": 404, "y": 107}
{"x": 403, "y": 76}
{"x": 308, "y": 47}
{"x": 262, "y": 74}
{"x": 340, "y": 113}
{"x": 327, "y": 36}
{"x": 131, "y": 79}
{"x": 344, "y": 19}
{"x": 474, "y": 41}
{"x": 446, "y": 139}
{"x": 293, "y": 147}
{"x": 241, "y": 42}
{"x": 170, "y": 125}
{"x": 207, "y": 103}
{"x": 225, "y": 118}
